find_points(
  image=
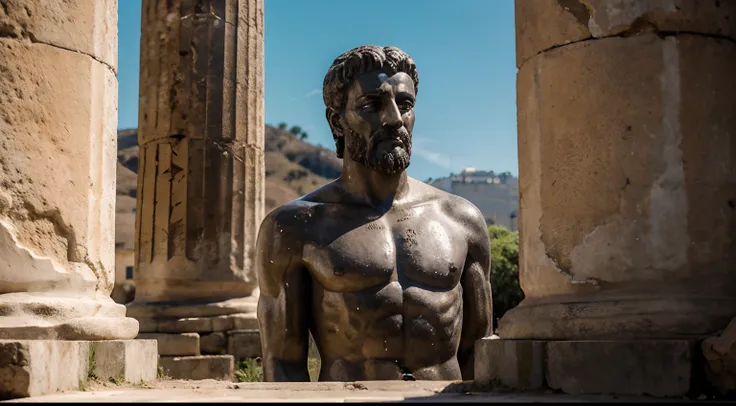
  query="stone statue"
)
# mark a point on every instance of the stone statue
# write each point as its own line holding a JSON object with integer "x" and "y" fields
{"x": 390, "y": 275}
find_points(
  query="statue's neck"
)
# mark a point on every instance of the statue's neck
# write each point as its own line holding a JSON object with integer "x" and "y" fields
{"x": 375, "y": 188}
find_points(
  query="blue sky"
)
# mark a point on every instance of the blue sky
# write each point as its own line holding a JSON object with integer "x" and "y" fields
{"x": 464, "y": 51}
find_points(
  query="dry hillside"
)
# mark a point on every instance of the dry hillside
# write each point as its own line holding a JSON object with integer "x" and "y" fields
{"x": 293, "y": 168}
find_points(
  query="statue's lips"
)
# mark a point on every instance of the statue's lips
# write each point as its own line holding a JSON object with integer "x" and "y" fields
{"x": 395, "y": 141}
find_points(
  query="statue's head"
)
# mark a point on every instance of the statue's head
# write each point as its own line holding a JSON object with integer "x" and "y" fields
{"x": 370, "y": 93}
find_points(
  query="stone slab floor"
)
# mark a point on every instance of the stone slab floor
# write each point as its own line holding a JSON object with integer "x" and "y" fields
{"x": 333, "y": 392}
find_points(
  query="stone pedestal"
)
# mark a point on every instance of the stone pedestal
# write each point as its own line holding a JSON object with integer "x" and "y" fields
{"x": 637, "y": 367}
{"x": 58, "y": 118}
{"x": 201, "y": 171}
{"x": 40, "y": 367}
{"x": 627, "y": 169}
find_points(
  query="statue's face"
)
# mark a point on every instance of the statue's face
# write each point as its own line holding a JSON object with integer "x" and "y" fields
{"x": 378, "y": 120}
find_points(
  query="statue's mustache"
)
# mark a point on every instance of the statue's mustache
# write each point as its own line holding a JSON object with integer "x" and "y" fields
{"x": 384, "y": 134}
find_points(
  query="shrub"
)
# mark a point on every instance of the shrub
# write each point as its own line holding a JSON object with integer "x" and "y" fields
{"x": 504, "y": 270}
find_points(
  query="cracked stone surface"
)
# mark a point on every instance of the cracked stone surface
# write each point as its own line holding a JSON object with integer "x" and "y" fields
{"x": 75, "y": 25}
{"x": 545, "y": 24}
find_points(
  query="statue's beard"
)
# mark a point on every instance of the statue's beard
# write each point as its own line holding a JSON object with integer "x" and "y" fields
{"x": 379, "y": 156}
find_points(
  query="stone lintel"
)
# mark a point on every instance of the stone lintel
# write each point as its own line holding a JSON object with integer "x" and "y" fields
{"x": 40, "y": 367}
{"x": 659, "y": 368}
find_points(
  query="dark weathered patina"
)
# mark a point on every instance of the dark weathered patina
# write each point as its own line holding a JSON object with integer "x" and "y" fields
{"x": 389, "y": 274}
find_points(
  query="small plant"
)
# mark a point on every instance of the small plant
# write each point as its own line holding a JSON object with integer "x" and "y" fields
{"x": 161, "y": 373}
{"x": 91, "y": 365}
{"x": 249, "y": 370}
{"x": 117, "y": 380}
{"x": 313, "y": 365}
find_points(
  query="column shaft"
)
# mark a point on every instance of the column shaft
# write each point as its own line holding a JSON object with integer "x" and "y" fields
{"x": 200, "y": 177}
{"x": 58, "y": 118}
{"x": 627, "y": 162}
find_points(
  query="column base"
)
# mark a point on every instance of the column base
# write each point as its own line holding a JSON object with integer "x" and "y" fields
{"x": 48, "y": 316}
{"x": 603, "y": 316}
{"x": 660, "y": 368}
{"x": 40, "y": 367}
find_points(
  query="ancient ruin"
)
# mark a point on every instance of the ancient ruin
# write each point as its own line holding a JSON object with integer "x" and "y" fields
{"x": 58, "y": 114}
{"x": 390, "y": 275}
{"x": 200, "y": 182}
{"x": 627, "y": 211}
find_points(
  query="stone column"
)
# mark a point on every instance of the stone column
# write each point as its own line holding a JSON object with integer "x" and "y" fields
{"x": 58, "y": 118}
{"x": 201, "y": 171}
{"x": 627, "y": 163}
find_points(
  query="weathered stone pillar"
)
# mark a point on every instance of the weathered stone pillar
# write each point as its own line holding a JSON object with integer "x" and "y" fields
{"x": 58, "y": 118}
{"x": 58, "y": 138}
{"x": 201, "y": 171}
{"x": 627, "y": 162}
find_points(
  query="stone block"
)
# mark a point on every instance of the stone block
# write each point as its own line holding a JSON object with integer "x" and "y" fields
{"x": 147, "y": 325}
{"x": 518, "y": 364}
{"x": 238, "y": 321}
{"x": 544, "y": 24}
{"x": 245, "y": 321}
{"x": 129, "y": 360}
{"x": 719, "y": 353}
{"x": 219, "y": 367}
{"x": 215, "y": 343}
{"x": 40, "y": 367}
{"x": 174, "y": 344}
{"x": 185, "y": 325}
{"x": 222, "y": 323}
{"x": 244, "y": 344}
{"x": 652, "y": 367}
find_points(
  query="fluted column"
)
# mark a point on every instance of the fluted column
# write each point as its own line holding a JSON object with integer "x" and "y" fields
{"x": 627, "y": 162}
{"x": 58, "y": 119}
{"x": 201, "y": 171}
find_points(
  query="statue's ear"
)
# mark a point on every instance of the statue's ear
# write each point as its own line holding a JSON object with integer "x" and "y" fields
{"x": 333, "y": 118}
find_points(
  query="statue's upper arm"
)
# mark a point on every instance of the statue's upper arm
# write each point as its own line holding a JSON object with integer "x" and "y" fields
{"x": 276, "y": 253}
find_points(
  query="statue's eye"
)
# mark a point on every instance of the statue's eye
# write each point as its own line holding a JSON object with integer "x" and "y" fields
{"x": 406, "y": 105}
{"x": 369, "y": 106}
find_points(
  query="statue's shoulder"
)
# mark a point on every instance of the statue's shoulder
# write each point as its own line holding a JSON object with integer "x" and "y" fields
{"x": 457, "y": 208}
{"x": 328, "y": 193}
{"x": 285, "y": 215}
{"x": 299, "y": 212}
{"x": 452, "y": 204}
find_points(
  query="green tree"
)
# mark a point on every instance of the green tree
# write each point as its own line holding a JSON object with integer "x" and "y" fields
{"x": 295, "y": 130}
{"x": 304, "y": 135}
{"x": 504, "y": 270}
{"x": 282, "y": 126}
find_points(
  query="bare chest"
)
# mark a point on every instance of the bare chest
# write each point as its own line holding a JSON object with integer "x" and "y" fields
{"x": 426, "y": 251}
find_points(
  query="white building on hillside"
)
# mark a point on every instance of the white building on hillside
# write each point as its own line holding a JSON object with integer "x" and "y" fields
{"x": 496, "y": 195}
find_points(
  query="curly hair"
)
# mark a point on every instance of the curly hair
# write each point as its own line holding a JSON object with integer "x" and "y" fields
{"x": 351, "y": 64}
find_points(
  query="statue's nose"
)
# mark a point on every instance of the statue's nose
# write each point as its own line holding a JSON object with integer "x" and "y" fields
{"x": 391, "y": 116}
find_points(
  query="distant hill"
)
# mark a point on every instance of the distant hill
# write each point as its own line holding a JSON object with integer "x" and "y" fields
{"x": 293, "y": 168}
